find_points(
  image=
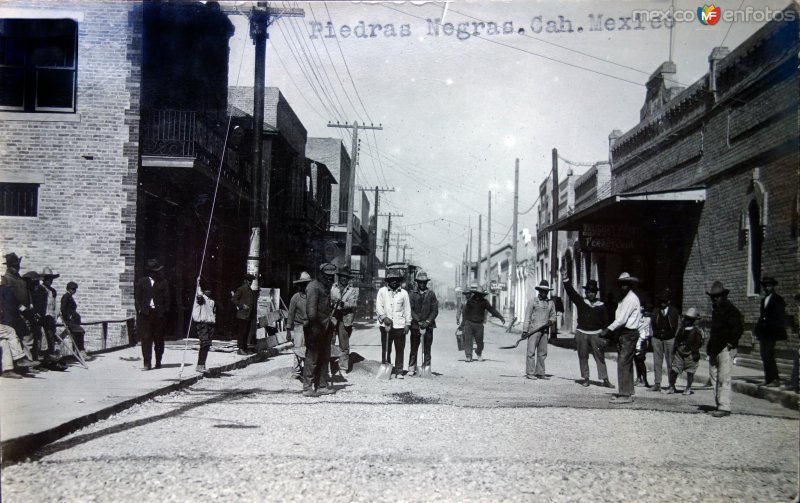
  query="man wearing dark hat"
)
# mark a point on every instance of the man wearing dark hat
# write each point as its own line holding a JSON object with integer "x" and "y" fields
{"x": 393, "y": 308}
{"x": 665, "y": 325}
{"x": 770, "y": 328}
{"x": 151, "y": 298}
{"x": 726, "y": 328}
{"x": 345, "y": 300}
{"x": 539, "y": 312}
{"x": 626, "y": 319}
{"x": 472, "y": 320}
{"x": 318, "y": 331}
{"x": 424, "y": 310}
{"x": 72, "y": 318}
{"x": 592, "y": 319}
{"x": 244, "y": 299}
{"x": 298, "y": 316}
{"x": 18, "y": 305}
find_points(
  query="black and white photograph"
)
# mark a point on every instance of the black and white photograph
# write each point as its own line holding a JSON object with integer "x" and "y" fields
{"x": 400, "y": 251}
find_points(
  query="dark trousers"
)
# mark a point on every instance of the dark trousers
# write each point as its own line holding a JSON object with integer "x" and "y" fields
{"x": 417, "y": 336}
{"x": 398, "y": 337}
{"x": 626, "y": 347}
{"x": 205, "y": 332}
{"x": 767, "y": 347}
{"x": 318, "y": 354}
{"x": 594, "y": 344}
{"x": 640, "y": 361}
{"x": 386, "y": 345}
{"x": 242, "y": 332}
{"x": 472, "y": 331}
{"x": 150, "y": 328}
{"x": 344, "y": 332}
{"x": 49, "y": 329}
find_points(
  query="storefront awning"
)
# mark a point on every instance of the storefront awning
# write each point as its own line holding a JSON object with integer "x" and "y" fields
{"x": 635, "y": 208}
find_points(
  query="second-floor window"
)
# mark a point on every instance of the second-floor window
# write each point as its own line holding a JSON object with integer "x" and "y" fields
{"x": 38, "y": 65}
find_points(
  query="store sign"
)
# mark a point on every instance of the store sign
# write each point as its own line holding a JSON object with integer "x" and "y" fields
{"x": 496, "y": 286}
{"x": 610, "y": 238}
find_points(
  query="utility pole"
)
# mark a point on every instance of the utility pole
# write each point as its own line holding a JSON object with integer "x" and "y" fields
{"x": 388, "y": 240}
{"x": 489, "y": 246}
{"x": 352, "y": 182}
{"x": 469, "y": 254}
{"x": 260, "y": 19}
{"x": 554, "y": 251}
{"x": 480, "y": 240}
{"x": 372, "y": 266}
{"x": 514, "y": 278}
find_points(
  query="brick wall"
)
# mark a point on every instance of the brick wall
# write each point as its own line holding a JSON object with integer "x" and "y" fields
{"x": 86, "y": 224}
{"x": 332, "y": 153}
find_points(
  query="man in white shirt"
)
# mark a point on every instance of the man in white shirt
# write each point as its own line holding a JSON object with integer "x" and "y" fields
{"x": 393, "y": 308}
{"x": 204, "y": 316}
{"x": 626, "y": 319}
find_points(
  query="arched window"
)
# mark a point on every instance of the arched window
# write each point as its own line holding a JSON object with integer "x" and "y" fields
{"x": 755, "y": 240}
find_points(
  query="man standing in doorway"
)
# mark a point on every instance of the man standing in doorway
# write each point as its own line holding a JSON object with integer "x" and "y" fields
{"x": 771, "y": 328}
{"x": 665, "y": 325}
{"x": 393, "y": 308}
{"x": 244, "y": 298}
{"x": 424, "y": 310}
{"x": 592, "y": 319}
{"x": 345, "y": 300}
{"x": 726, "y": 328}
{"x": 151, "y": 297}
{"x": 626, "y": 319}
{"x": 475, "y": 311}
{"x": 539, "y": 312}
{"x": 317, "y": 332}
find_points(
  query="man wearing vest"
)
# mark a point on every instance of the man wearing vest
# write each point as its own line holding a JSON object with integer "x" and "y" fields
{"x": 424, "y": 310}
{"x": 345, "y": 299}
{"x": 665, "y": 325}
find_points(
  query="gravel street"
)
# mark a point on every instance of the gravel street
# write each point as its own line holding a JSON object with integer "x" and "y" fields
{"x": 475, "y": 432}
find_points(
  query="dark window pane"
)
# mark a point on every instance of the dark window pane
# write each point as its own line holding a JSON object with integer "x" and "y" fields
{"x": 12, "y": 51}
{"x": 12, "y": 87}
{"x": 19, "y": 199}
{"x": 54, "y": 89}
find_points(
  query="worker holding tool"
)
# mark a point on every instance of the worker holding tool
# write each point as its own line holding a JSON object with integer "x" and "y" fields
{"x": 541, "y": 313}
{"x": 345, "y": 300}
{"x": 472, "y": 320}
{"x": 393, "y": 308}
{"x": 424, "y": 310}
{"x": 297, "y": 316}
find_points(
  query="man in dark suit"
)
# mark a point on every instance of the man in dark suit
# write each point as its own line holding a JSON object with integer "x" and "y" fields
{"x": 245, "y": 301}
{"x": 770, "y": 328}
{"x": 665, "y": 325}
{"x": 151, "y": 297}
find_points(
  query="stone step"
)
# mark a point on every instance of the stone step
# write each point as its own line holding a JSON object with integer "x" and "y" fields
{"x": 754, "y": 362}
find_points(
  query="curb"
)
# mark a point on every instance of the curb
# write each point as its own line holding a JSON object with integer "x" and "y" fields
{"x": 17, "y": 449}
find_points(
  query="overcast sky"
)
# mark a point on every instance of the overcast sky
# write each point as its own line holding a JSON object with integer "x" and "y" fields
{"x": 457, "y": 110}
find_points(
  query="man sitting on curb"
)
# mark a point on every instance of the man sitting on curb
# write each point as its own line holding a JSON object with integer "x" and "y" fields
{"x": 592, "y": 318}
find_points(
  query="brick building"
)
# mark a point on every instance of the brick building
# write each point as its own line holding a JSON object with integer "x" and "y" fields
{"x": 706, "y": 186}
{"x": 69, "y": 140}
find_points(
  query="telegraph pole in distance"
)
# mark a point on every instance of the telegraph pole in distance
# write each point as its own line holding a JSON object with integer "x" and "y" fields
{"x": 514, "y": 278}
{"x": 480, "y": 240}
{"x": 371, "y": 264}
{"x": 554, "y": 246}
{"x": 353, "y": 164}
{"x": 388, "y": 236}
{"x": 489, "y": 246}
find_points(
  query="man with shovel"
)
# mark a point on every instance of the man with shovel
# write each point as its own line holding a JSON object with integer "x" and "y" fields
{"x": 394, "y": 313}
{"x": 424, "y": 310}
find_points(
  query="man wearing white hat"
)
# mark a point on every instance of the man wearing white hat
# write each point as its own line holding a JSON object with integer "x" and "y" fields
{"x": 626, "y": 320}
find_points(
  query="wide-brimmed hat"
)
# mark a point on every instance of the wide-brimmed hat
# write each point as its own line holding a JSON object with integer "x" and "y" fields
{"x": 394, "y": 274}
{"x": 769, "y": 280}
{"x": 154, "y": 265}
{"x": 304, "y": 278}
{"x": 692, "y": 314}
{"x": 345, "y": 271}
{"x": 666, "y": 294}
{"x": 476, "y": 288}
{"x": 591, "y": 285}
{"x": 32, "y": 275}
{"x": 12, "y": 259}
{"x": 422, "y": 276}
{"x": 328, "y": 268}
{"x": 47, "y": 272}
{"x": 627, "y": 278}
{"x": 717, "y": 289}
{"x": 249, "y": 277}
{"x": 544, "y": 286}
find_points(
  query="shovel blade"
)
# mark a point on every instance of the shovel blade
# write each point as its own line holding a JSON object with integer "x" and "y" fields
{"x": 426, "y": 372}
{"x": 385, "y": 372}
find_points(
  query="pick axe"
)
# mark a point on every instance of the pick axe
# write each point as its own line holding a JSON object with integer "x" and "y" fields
{"x": 526, "y": 336}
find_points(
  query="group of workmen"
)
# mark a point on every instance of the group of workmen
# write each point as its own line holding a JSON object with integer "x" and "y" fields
{"x": 324, "y": 309}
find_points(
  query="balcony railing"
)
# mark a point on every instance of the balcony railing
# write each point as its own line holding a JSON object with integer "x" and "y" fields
{"x": 199, "y": 136}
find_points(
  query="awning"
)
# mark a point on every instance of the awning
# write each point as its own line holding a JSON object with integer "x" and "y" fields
{"x": 634, "y": 208}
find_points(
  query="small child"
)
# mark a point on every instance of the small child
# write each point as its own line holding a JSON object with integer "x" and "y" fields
{"x": 688, "y": 342}
{"x": 204, "y": 317}
{"x": 645, "y": 333}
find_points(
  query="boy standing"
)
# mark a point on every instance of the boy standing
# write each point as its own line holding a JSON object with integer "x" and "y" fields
{"x": 688, "y": 342}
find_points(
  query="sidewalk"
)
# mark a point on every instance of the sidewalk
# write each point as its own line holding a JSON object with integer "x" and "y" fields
{"x": 35, "y": 411}
{"x": 744, "y": 379}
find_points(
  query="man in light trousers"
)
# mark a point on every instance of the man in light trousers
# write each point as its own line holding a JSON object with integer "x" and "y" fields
{"x": 539, "y": 311}
{"x": 726, "y": 328}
